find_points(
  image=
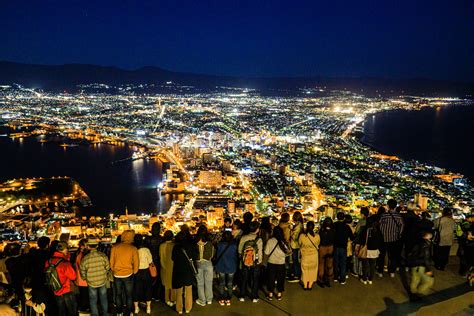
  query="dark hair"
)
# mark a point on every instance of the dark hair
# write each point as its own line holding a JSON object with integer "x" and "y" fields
{"x": 348, "y": 218}
{"x": 266, "y": 225}
{"x": 237, "y": 223}
{"x": 365, "y": 211}
{"x": 62, "y": 245}
{"x": 156, "y": 229}
{"x": 297, "y": 217}
{"x": 381, "y": 210}
{"x": 12, "y": 249}
{"x": 28, "y": 283}
{"x": 227, "y": 237}
{"x": 53, "y": 246}
{"x": 285, "y": 218}
{"x": 138, "y": 241}
{"x": 168, "y": 235}
{"x": 83, "y": 242}
{"x": 278, "y": 234}
{"x": 43, "y": 242}
{"x": 327, "y": 222}
{"x": 310, "y": 228}
{"x": 340, "y": 216}
{"x": 253, "y": 226}
{"x": 371, "y": 220}
{"x": 227, "y": 220}
{"x": 447, "y": 211}
{"x": 392, "y": 204}
{"x": 180, "y": 237}
{"x": 248, "y": 217}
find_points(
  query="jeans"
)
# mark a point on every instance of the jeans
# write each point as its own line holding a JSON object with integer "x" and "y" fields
{"x": 420, "y": 282}
{"x": 368, "y": 268}
{"x": 204, "y": 281}
{"x": 249, "y": 277}
{"x": 296, "y": 265}
{"x": 276, "y": 272}
{"x": 67, "y": 304}
{"x": 225, "y": 285}
{"x": 96, "y": 293}
{"x": 123, "y": 294}
{"x": 340, "y": 259}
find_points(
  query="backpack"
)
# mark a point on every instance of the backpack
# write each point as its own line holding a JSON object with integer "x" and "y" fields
{"x": 250, "y": 253}
{"x": 52, "y": 277}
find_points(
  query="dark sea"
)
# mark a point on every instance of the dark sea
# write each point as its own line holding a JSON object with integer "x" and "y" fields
{"x": 110, "y": 186}
{"x": 442, "y": 136}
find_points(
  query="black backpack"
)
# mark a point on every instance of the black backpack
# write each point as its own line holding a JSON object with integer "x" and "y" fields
{"x": 52, "y": 277}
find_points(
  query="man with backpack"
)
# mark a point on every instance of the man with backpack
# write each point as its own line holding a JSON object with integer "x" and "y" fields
{"x": 59, "y": 276}
{"x": 251, "y": 254}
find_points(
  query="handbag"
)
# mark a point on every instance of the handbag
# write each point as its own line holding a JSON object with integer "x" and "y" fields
{"x": 153, "y": 270}
{"x": 361, "y": 250}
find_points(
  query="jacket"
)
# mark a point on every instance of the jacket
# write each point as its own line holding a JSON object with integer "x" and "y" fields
{"x": 342, "y": 234}
{"x": 95, "y": 268}
{"x": 286, "y": 231}
{"x": 65, "y": 270}
{"x": 374, "y": 241}
{"x": 124, "y": 256}
{"x": 446, "y": 226}
{"x": 166, "y": 263}
{"x": 205, "y": 251}
{"x": 295, "y": 235}
{"x": 79, "y": 280}
{"x": 327, "y": 236}
{"x": 227, "y": 260}
{"x": 420, "y": 256}
{"x": 183, "y": 273}
{"x": 278, "y": 255}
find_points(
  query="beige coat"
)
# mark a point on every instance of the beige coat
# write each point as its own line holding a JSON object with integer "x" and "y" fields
{"x": 166, "y": 264}
{"x": 309, "y": 246}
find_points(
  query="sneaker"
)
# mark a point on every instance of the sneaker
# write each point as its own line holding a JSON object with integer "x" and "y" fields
{"x": 221, "y": 302}
{"x": 380, "y": 274}
{"x": 200, "y": 303}
{"x": 343, "y": 282}
{"x": 148, "y": 310}
{"x": 255, "y": 300}
{"x": 227, "y": 302}
{"x": 279, "y": 297}
{"x": 347, "y": 276}
{"x": 370, "y": 282}
{"x": 241, "y": 299}
{"x": 392, "y": 275}
{"x": 363, "y": 281}
{"x": 293, "y": 280}
{"x": 355, "y": 275}
{"x": 269, "y": 297}
{"x": 336, "y": 280}
{"x": 209, "y": 303}
{"x": 187, "y": 312}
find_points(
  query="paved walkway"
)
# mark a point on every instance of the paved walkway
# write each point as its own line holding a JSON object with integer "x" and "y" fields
{"x": 450, "y": 296}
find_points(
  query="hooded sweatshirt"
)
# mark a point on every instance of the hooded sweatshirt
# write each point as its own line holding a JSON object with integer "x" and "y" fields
{"x": 124, "y": 256}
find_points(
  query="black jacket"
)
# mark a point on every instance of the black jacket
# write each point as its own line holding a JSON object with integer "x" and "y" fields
{"x": 342, "y": 234}
{"x": 420, "y": 256}
{"x": 374, "y": 241}
{"x": 327, "y": 236}
{"x": 183, "y": 274}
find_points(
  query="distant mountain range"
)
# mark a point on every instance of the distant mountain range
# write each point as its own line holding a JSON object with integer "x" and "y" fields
{"x": 68, "y": 76}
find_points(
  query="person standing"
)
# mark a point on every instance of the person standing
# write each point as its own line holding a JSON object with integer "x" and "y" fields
{"x": 184, "y": 270}
{"x": 124, "y": 263}
{"x": 295, "y": 268}
{"x": 251, "y": 253}
{"x": 205, "y": 275}
{"x": 65, "y": 298}
{"x": 309, "y": 245}
{"x": 391, "y": 227}
{"x": 153, "y": 243}
{"x": 342, "y": 234}
{"x": 83, "y": 304}
{"x": 226, "y": 266}
{"x": 94, "y": 269}
{"x": 277, "y": 250}
{"x": 166, "y": 267}
{"x": 370, "y": 237}
{"x": 326, "y": 253}
{"x": 445, "y": 227}
{"x": 142, "y": 287}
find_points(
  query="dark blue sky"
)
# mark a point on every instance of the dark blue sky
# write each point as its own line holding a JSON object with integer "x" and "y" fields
{"x": 414, "y": 38}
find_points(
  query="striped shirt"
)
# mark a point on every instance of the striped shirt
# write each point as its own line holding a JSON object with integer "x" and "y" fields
{"x": 95, "y": 268}
{"x": 391, "y": 226}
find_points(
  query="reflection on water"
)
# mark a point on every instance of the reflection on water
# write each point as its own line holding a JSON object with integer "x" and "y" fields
{"x": 111, "y": 187}
{"x": 441, "y": 136}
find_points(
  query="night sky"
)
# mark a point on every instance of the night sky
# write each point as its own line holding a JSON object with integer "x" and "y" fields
{"x": 396, "y": 39}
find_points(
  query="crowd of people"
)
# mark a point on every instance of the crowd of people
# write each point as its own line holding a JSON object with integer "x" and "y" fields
{"x": 247, "y": 259}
